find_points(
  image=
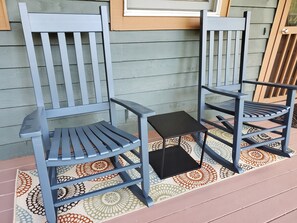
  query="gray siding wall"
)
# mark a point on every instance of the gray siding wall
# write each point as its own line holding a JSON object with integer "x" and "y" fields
{"x": 155, "y": 68}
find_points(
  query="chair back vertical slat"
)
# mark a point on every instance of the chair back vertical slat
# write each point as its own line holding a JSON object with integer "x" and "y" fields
{"x": 202, "y": 66}
{"x": 66, "y": 69}
{"x": 220, "y": 57}
{"x": 210, "y": 58}
{"x": 95, "y": 67}
{"x": 76, "y": 144}
{"x": 236, "y": 57}
{"x": 202, "y": 52}
{"x": 228, "y": 56}
{"x": 50, "y": 69}
{"x": 107, "y": 53}
{"x": 244, "y": 48}
{"x": 31, "y": 55}
{"x": 81, "y": 68}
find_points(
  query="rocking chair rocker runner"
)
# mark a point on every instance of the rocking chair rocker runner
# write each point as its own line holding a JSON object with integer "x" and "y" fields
{"x": 222, "y": 64}
{"x": 70, "y": 44}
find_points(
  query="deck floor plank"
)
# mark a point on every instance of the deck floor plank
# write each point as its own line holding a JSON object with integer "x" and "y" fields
{"x": 286, "y": 218}
{"x": 7, "y": 187}
{"x": 231, "y": 206}
{"x": 6, "y": 202}
{"x": 6, "y": 216}
{"x": 265, "y": 211}
{"x": 178, "y": 207}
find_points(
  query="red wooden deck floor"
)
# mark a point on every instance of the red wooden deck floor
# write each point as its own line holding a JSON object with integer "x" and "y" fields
{"x": 268, "y": 194}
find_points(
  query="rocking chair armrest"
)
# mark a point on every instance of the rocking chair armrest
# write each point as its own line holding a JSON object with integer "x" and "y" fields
{"x": 287, "y": 86}
{"x": 31, "y": 125}
{"x": 134, "y": 107}
{"x": 226, "y": 92}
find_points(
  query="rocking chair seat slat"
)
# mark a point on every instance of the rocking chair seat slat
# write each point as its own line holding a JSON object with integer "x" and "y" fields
{"x": 54, "y": 152}
{"x": 251, "y": 109}
{"x": 66, "y": 153}
{"x": 126, "y": 135}
{"x": 89, "y": 141}
{"x": 116, "y": 138}
{"x": 111, "y": 145}
{"x": 78, "y": 152}
{"x": 97, "y": 143}
{"x": 88, "y": 147}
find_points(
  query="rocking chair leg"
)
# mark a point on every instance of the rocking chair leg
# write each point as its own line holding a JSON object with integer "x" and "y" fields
{"x": 237, "y": 134}
{"x": 236, "y": 148}
{"x": 46, "y": 191}
{"x": 144, "y": 160}
{"x": 288, "y": 121}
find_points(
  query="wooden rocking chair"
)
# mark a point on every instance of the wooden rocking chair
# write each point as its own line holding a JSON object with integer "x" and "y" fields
{"x": 64, "y": 49}
{"x": 222, "y": 64}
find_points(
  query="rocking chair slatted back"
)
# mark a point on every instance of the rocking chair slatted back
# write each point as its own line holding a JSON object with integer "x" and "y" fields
{"x": 225, "y": 61}
{"x": 73, "y": 51}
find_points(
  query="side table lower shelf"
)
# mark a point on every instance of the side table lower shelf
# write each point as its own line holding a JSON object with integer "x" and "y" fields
{"x": 177, "y": 161}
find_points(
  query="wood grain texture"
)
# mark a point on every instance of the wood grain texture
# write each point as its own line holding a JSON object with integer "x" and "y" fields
{"x": 4, "y": 21}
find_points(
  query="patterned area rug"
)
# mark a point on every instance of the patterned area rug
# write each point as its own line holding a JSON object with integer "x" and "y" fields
{"x": 28, "y": 202}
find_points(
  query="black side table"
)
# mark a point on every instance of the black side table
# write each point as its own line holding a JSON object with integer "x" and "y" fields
{"x": 174, "y": 160}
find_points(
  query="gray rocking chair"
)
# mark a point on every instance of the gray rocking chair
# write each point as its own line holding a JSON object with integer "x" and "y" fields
{"x": 222, "y": 64}
{"x": 64, "y": 49}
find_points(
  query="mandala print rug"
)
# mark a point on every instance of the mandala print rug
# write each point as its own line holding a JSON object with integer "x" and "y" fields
{"x": 28, "y": 200}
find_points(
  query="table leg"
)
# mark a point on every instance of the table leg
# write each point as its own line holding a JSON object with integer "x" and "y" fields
{"x": 163, "y": 159}
{"x": 203, "y": 146}
{"x": 179, "y": 140}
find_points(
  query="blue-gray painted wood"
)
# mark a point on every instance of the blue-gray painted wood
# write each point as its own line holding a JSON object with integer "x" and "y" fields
{"x": 66, "y": 68}
{"x": 48, "y": 23}
{"x": 50, "y": 69}
{"x": 86, "y": 143}
{"x": 95, "y": 66}
{"x": 237, "y": 105}
{"x": 81, "y": 68}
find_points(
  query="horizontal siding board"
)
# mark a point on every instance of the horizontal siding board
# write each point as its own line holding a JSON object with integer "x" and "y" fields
{"x": 15, "y": 36}
{"x": 17, "y": 56}
{"x": 17, "y": 149}
{"x": 21, "y": 78}
{"x": 59, "y": 6}
{"x": 259, "y": 15}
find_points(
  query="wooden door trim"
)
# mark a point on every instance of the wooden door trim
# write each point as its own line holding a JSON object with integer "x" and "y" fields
{"x": 271, "y": 49}
{"x": 121, "y": 22}
{"x": 4, "y": 22}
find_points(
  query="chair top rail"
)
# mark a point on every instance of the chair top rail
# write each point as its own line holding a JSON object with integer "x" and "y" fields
{"x": 64, "y": 23}
{"x": 225, "y": 24}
